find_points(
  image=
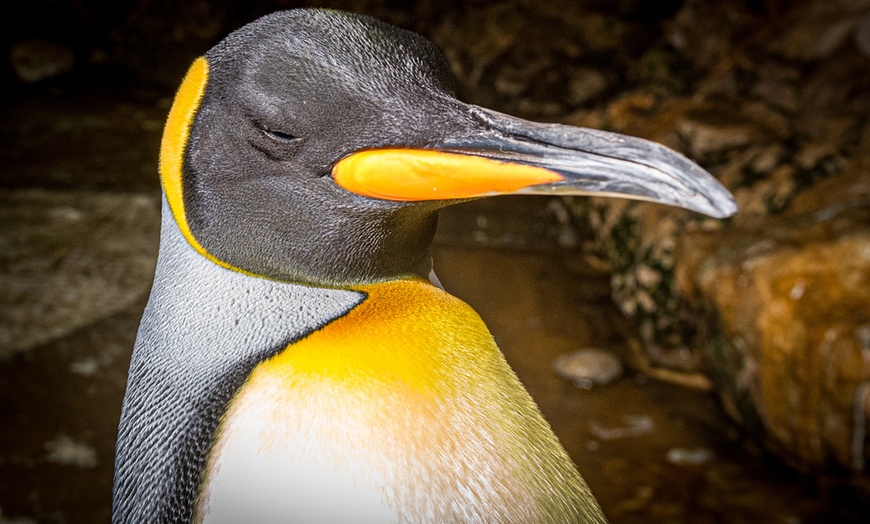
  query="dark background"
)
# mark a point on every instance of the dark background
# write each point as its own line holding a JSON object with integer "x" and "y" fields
{"x": 87, "y": 85}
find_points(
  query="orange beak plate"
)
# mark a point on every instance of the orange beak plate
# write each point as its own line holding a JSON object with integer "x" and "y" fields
{"x": 421, "y": 174}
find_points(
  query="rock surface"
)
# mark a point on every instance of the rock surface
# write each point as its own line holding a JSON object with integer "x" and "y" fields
{"x": 68, "y": 259}
{"x": 775, "y": 104}
{"x": 790, "y": 341}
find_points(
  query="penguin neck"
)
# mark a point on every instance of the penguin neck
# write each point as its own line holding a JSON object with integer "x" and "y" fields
{"x": 357, "y": 247}
{"x": 352, "y": 247}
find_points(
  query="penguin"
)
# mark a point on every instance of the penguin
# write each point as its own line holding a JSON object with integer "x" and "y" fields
{"x": 294, "y": 363}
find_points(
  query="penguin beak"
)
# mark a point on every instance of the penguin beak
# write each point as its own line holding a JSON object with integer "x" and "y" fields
{"x": 508, "y": 155}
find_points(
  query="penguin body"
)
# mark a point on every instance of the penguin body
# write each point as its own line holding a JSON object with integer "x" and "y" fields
{"x": 392, "y": 427}
{"x": 260, "y": 416}
{"x": 293, "y": 364}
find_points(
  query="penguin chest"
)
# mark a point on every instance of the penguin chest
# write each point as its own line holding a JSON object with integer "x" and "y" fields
{"x": 401, "y": 411}
{"x": 319, "y": 450}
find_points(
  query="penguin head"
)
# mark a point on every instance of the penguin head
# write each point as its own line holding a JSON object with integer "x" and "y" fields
{"x": 317, "y": 146}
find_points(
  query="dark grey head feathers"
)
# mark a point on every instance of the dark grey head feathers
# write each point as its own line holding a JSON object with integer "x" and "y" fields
{"x": 288, "y": 96}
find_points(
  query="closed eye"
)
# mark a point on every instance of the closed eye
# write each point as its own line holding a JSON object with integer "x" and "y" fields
{"x": 279, "y": 135}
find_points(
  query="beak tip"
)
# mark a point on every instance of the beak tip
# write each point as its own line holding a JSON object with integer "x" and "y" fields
{"x": 722, "y": 207}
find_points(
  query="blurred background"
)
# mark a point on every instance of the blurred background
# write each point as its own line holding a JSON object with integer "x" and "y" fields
{"x": 696, "y": 370}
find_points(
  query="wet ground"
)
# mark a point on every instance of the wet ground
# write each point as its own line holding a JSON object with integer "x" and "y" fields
{"x": 78, "y": 240}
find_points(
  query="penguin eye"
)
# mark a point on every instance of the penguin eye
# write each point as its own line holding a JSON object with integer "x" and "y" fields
{"x": 279, "y": 135}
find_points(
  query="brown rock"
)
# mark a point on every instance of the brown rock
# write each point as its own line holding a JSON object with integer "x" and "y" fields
{"x": 723, "y": 123}
{"x": 774, "y": 102}
{"x": 648, "y": 116}
{"x": 792, "y": 295}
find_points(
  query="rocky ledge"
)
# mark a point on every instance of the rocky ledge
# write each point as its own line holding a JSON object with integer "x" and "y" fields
{"x": 772, "y": 307}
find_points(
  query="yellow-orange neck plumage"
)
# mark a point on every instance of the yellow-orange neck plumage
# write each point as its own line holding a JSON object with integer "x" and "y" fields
{"x": 392, "y": 413}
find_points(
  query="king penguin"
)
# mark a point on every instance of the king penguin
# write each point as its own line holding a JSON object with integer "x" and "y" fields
{"x": 294, "y": 363}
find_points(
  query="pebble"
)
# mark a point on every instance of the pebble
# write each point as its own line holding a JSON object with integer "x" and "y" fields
{"x": 87, "y": 368}
{"x": 689, "y": 456}
{"x": 588, "y": 367}
{"x": 633, "y": 426}
{"x": 69, "y": 452}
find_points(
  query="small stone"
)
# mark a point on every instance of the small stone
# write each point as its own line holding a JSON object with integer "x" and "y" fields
{"x": 633, "y": 426}
{"x": 67, "y": 451}
{"x": 647, "y": 276}
{"x": 87, "y": 367}
{"x": 588, "y": 367}
{"x": 682, "y": 456}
